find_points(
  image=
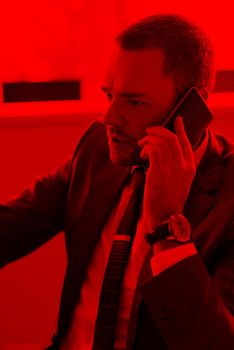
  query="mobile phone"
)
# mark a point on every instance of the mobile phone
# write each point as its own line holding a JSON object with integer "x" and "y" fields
{"x": 196, "y": 117}
{"x": 195, "y": 113}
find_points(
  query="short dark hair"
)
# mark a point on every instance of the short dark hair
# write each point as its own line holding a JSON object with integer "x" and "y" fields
{"x": 189, "y": 54}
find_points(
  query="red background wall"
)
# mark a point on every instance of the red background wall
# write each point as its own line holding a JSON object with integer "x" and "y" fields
{"x": 49, "y": 40}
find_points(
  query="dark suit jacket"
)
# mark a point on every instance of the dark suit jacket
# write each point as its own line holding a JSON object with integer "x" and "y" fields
{"x": 189, "y": 306}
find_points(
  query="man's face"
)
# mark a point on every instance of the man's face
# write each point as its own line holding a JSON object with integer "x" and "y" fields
{"x": 140, "y": 95}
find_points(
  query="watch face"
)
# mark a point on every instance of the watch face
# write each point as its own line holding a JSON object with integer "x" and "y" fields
{"x": 179, "y": 228}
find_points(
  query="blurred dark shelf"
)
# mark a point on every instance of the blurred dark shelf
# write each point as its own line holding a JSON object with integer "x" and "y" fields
{"x": 41, "y": 91}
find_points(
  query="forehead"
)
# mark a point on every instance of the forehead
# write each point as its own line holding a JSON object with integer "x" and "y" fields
{"x": 136, "y": 69}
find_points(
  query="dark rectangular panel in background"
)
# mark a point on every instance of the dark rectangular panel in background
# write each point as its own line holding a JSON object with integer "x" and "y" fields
{"x": 41, "y": 91}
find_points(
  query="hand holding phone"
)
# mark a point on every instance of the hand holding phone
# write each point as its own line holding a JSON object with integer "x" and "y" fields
{"x": 171, "y": 172}
{"x": 171, "y": 159}
{"x": 196, "y": 118}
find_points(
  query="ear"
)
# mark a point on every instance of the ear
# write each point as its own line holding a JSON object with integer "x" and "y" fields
{"x": 204, "y": 93}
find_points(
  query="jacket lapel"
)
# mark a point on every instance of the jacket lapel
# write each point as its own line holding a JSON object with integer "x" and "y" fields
{"x": 100, "y": 202}
{"x": 98, "y": 206}
{"x": 204, "y": 187}
{"x": 104, "y": 183}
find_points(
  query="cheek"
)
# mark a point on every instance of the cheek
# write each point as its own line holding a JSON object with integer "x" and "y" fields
{"x": 137, "y": 123}
{"x": 138, "y": 126}
{"x": 135, "y": 132}
{"x": 138, "y": 119}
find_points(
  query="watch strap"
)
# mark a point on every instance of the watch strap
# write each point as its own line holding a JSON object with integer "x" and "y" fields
{"x": 177, "y": 228}
{"x": 160, "y": 233}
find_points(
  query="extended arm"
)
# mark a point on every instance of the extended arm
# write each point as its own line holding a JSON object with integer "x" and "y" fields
{"x": 34, "y": 217}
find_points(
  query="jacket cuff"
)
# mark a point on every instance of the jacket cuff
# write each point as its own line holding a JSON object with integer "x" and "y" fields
{"x": 167, "y": 258}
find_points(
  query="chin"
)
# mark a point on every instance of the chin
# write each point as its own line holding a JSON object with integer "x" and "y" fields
{"x": 125, "y": 158}
{"x": 124, "y": 154}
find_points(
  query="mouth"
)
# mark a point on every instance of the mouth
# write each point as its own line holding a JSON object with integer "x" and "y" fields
{"x": 117, "y": 140}
{"x": 126, "y": 145}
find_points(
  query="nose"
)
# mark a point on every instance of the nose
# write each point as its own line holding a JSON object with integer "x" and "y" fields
{"x": 113, "y": 116}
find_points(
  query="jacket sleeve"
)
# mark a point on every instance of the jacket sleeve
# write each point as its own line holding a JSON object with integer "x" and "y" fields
{"x": 35, "y": 216}
{"x": 194, "y": 309}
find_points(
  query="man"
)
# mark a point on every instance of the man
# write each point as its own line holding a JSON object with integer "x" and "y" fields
{"x": 173, "y": 295}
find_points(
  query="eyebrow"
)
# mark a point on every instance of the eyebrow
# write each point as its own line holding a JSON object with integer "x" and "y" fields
{"x": 125, "y": 94}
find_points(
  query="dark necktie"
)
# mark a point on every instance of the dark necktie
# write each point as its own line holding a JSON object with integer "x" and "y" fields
{"x": 111, "y": 288}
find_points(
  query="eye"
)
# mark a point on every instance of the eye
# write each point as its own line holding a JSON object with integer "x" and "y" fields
{"x": 109, "y": 96}
{"x": 134, "y": 102}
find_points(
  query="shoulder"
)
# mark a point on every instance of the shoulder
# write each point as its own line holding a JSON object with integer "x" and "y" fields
{"x": 226, "y": 183}
{"x": 220, "y": 150}
{"x": 92, "y": 150}
{"x": 94, "y": 134}
{"x": 226, "y": 145}
{"x": 227, "y": 154}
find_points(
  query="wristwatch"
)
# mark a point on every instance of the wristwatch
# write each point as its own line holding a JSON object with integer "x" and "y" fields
{"x": 176, "y": 228}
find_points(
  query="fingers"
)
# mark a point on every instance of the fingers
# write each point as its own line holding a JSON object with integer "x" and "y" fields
{"x": 154, "y": 154}
{"x": 178, "y": 143}
{"x": 163, "y": 138}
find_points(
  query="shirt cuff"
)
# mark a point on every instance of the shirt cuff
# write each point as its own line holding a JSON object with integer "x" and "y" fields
{"x": 167, "y": 258}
